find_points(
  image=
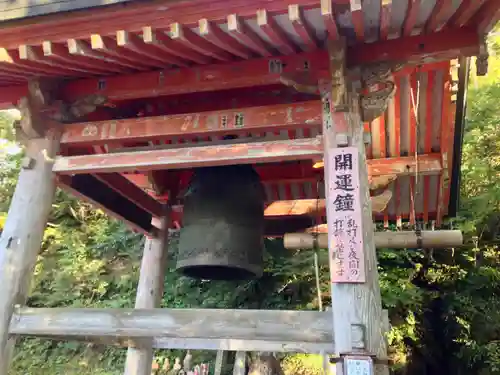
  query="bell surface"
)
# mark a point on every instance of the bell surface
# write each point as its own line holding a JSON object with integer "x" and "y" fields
{"x": 222, "y": 235}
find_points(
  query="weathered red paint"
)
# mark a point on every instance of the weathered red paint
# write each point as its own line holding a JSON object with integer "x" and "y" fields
{"x": 283, "y": 116}
{"x": 438, "y": 15}
{"x": 203, "y": 78}
{"x": 191, "y": 157}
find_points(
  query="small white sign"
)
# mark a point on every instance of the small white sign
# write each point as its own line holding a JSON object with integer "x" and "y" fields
{"x": 358, "y": 365}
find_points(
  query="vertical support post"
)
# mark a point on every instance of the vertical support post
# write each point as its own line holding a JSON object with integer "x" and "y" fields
{"x": 219, "y": 361}
{"x": 239, "y": 363}
{"x": 28, "y": 213}
{"x": 23, "y": 233}
{"x": 356, "y": 303}
{"x": 149, "y": 294}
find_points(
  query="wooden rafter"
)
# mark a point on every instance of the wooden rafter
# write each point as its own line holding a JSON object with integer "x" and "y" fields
{"x": 273, "y": 31}
{"x": 222, "y": 40}
{"x": 328, "y": 16}
{"x": 250, "y": 73}
{"x": 164, "y": 43}
{"x": 301, "y": 27}
{"x": 190, "y": 39}
{"x": 240, "y": 31}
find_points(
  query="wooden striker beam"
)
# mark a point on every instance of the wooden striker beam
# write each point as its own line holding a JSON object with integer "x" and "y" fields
{"x": 439, "y": 239}
{"x": 149, "y": 293}
{"x": 23, "y": 231}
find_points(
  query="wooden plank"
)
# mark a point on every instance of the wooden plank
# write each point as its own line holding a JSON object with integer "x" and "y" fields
{"x": 464, "y": 12}
{"x": 357, "y": 311}
{"x": 411, "y": 17}
{"x": 22, "y": 233}
{"x": 301, "y": 27}
{"x": 191, "y": 157}
{"x": 175, "y": 328}
{"x": 438, "y": 15}
{"x": 328, "y": 16}
{"x": 356, "y": 7}
{"x": 149, "y": 295}
{"x": 234, "y": 121}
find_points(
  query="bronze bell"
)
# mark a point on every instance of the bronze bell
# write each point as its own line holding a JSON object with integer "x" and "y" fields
{"x": 223, "y": 224}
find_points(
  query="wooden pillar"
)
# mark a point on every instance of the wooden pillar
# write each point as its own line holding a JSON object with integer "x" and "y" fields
{"x": 23, "y": 233}
{"x": 149, "y": 294}
{"x": 239, "y": 363}
{"x": 219, "y": 361}
{"x": 356, "y": 301}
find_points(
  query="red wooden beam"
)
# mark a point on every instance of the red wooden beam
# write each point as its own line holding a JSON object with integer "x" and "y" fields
{"x": 486, "y": 17}
{"x": 440, "y": 12}
{"x": 164, "y": 43}
{"x": 356, "y": 8}
{"x": 283, "y": 116}
{"x": 34, "y": 56}
{"x": 328, "y": 16}
{"x": 271, "y": 28}
{"x": 411, "y": 17}
{"x": 107, "y": 46}
{"x": 301, "y": 27}
{"x": 134, "y": 43}
{"x": 101, "y": 196}
{"x": 192, "y": 157}
{"x": 190, "y": 39}
{"x": 222, "y": 40}
{"x": 241, "y": 32}
{"x": 9, "y": 96}
{"x": 428, "y": 164}
{"x": 443, "y": 45}
{"x": 133, "y": 17}
{"x": 385, "y": 18}
{"x": 11, "y": 62}
{"x": 58, "y": 53}
{"x": 210, "y": 78}
{"x": 464, "y": 12}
